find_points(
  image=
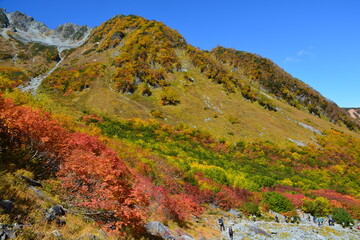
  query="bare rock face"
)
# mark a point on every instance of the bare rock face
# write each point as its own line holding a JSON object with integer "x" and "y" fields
{"x": 71, "y": 31}
{"x": 29, "y": 30}
{"x": 21, "y": 21}
{"x": 354, "y": 112}
{"x": 4, "y": 21}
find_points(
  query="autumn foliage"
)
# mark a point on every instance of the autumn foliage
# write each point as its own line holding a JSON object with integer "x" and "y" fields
{"x": 11, "y": 77}
{"x": 156, "y": 171}
{"x": 90, "y": 171}
{"x": 278, "y": 82}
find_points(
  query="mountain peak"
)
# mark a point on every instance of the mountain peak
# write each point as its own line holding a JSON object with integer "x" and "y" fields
{"x": 27, "y": 29}
{"x": 23, "y": 22}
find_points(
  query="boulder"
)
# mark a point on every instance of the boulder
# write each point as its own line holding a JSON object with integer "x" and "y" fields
{"x": 57, "y": 210}
{"x": 7, "y": 205}
{"x": 53, "y": 212}
{"x": 6, "y": 232}
{"x": 258, "y": 231}
{"x": 31, "y": 181}
{"x": 157, "y": 229}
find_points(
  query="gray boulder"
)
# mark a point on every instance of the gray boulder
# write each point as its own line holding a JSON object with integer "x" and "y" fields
{"x": 157, "y": 229}
{"x": 57, "y": 210}
{"x": 6, "y": 232}
{"x": 7, "y": 205}
{"x": 53, "y": 212}
{"x": 258, "y": 231}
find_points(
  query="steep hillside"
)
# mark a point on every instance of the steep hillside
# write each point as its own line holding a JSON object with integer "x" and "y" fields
{"x": 275, "y": 80}
{"x": 132, "y": 67}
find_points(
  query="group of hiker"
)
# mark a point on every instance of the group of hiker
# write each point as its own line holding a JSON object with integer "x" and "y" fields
{"x": 319, "y": 221}
{"x": 222, "y": 228}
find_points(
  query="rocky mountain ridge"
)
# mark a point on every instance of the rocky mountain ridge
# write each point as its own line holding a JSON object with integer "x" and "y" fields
{"x": 354, "y": 112}
{"x": 27, "y": 29}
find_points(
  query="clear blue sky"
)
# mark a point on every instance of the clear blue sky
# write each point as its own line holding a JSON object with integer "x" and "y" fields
{"x": 317, "y": 41}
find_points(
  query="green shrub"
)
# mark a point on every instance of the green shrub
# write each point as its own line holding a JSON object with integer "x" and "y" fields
{"x": 216, "y": 173}
{"x": 157, "y": 114}
{"x": 341, "y": 216}
{"x": 318, "y": 207}
{"x": 263, "y": 181}
{"x": 251, "y": 208}
{"x": 277, "y": 202}
{"x": 169, "y": 97}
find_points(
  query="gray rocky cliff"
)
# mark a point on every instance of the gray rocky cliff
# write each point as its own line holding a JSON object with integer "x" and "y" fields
{"x": 21, "y": 21}
{"x": 4, "y": 21}
{"x": 27, "y": 29}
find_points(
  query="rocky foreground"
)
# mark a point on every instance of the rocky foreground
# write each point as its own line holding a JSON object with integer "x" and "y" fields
{"x": 245, "y": 229}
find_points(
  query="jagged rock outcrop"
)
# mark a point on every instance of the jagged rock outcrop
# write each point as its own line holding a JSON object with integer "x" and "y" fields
{"x": 27, "y": 29}
{"x": 4, "y": 21}
{"x": 21, "y": 21}
{"x": 71, "y": 31}
{"x": 354, "y": 112}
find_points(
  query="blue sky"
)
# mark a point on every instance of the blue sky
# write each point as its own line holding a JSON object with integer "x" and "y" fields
{"x": 316, "y": 41}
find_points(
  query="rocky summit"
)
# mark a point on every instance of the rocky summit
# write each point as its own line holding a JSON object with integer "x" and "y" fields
{"x": 27, "y": 29}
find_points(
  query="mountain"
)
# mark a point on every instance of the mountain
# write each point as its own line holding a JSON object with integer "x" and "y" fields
{"x": 136, "y": 125}
{"x": 26, "y": 29}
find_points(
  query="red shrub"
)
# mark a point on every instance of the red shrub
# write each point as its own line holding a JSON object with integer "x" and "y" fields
{"x": 90, "y": 171}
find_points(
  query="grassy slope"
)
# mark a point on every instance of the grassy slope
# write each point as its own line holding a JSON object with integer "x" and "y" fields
{"x": 203, "y": 105}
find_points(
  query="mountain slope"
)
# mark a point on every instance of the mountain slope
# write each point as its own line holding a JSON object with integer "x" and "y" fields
{"x": 133, "y": 67}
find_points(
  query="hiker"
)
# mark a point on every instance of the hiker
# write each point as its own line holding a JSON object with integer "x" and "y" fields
{"x": 320, "y": 221}
{"x": 314, "y": 219}
{"x": 286, "y": 219}
{"x": 254, "y": 218}
{"x": 351, "y": 225}
{"x": 276, "y": 218}
{"x": 231, "y": 233}
{"x": 309, "y": 218}
{"x": 221, "y": 224}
